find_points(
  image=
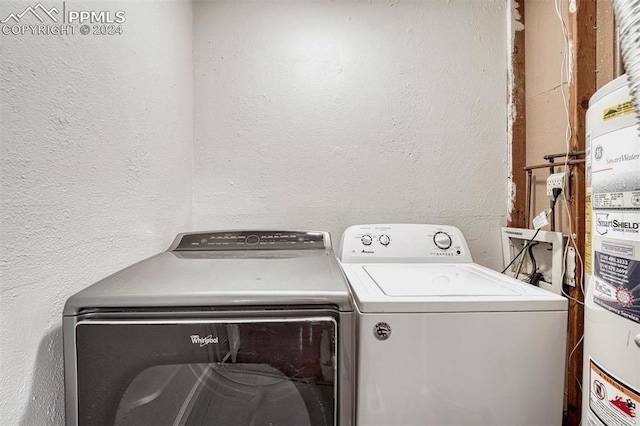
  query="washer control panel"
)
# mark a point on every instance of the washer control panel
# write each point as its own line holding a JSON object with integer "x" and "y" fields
{"x": 419, "y": 243}
{"x": 251, "y": 240}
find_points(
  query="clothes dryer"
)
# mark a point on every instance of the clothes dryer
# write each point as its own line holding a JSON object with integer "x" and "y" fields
{"x": 224, "y": 328}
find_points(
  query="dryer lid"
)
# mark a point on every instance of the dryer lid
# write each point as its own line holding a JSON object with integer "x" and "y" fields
{"x": 436, "y": 280}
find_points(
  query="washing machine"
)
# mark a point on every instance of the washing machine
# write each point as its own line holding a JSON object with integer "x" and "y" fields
{"x": 225, "y": 327}
{"x": 445, "y": 341}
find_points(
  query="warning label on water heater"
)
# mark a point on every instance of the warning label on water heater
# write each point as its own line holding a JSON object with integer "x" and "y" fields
{"x": 611, "y": 401}
{"x": 618, "y": 110}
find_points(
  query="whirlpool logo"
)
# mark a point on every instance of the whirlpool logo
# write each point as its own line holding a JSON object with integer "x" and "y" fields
{"x": 203, "y": 341}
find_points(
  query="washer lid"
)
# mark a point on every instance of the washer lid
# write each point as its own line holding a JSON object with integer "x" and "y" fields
{"x": 436, "y": 280}
{"x": 443, "y": 287}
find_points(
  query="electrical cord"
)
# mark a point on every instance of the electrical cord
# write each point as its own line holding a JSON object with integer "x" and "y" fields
{"x": 535, "y": 277}
{"x": 521, "y": 251}
{"x": 521, "y": 263}
{"x": 556, "y": 194}
{"x": 534, "y": 265}
{"x": 566, "y": 74}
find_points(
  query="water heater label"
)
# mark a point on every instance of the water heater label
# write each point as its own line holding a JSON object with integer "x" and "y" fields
{"x": 617, "y": 285}
{"x": 611, "y": 401}
{"x": 618, "y": 110}
{"x": 615, "y": 169}
{"x": 588, "y": 237}
{"x": 618, "y": 225}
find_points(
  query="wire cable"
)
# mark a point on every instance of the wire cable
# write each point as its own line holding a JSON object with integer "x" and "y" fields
{"x": 566, "y": 73}
{"x": 534, "y": 265}
{"x": 521, "y": 250}
{"x": 565, "y": 79}
{"x": 556, "y": 194}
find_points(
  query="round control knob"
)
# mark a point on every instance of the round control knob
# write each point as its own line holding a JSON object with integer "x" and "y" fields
{"x": 384, "y": 239}
{"x": 252, "y": 240}
{"x": 366, "y": 240}
{"x": 442, "y": 240}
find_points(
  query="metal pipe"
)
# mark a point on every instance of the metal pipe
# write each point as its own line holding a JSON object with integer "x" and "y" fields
{"x": 528, "y": 197}
{"x": 551, "y": 166}
{"x": 572, "y": 154}
{"x": 548, "y": 166}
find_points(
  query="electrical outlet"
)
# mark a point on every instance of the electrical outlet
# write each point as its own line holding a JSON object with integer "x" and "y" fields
{"x": 570, "y": 267}
{"x": 557, "y": 180}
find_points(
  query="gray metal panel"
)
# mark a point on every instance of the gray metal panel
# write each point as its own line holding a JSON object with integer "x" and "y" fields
{"x": 346, "y": 367}
{"x": 326, "y": 237}
{"x": 70, "y": 370}
{"x": 240, "y": 279}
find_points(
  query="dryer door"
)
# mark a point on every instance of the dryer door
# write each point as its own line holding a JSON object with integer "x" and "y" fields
{"x": 262, "y": 371}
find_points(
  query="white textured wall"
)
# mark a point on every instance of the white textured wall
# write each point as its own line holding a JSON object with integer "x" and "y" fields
{"x": 95, "y": 174}
{"x": 305, "y": 114}
{"x": 327, "y": 114}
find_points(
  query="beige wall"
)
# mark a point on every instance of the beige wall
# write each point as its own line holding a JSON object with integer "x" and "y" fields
{"x": 546, "y": 116}
{"x": 605, "y": 50}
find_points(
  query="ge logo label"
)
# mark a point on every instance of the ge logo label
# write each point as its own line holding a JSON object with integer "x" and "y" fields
{"x": 598, "y": 152}
{"x": 382, "y": 331}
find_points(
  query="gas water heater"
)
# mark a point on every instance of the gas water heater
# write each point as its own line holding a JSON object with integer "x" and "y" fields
{"x": 611, "y": 379}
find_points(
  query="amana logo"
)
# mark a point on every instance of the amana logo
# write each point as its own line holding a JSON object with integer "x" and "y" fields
{"x": 203, "y": 341}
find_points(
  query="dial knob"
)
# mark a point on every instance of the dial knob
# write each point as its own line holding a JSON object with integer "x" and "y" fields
{"x": 442, "y": 240}
{"x": 384, "y": 239}
{"x": 366, "y": 240}
{"x": 252, "y": 240}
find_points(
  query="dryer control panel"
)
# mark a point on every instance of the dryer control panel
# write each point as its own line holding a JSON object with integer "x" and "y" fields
{"x": 251, "y": 240}
{"x": 402, "y": 243}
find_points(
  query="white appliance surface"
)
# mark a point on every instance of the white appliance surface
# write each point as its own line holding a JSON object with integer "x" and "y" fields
{"x": 435, "y": 280}
{"x": 439, "y": 287}
{"x": 611, "y": 363}
{"x": 444, "y": 341}
{"x": 481, "y": 368}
